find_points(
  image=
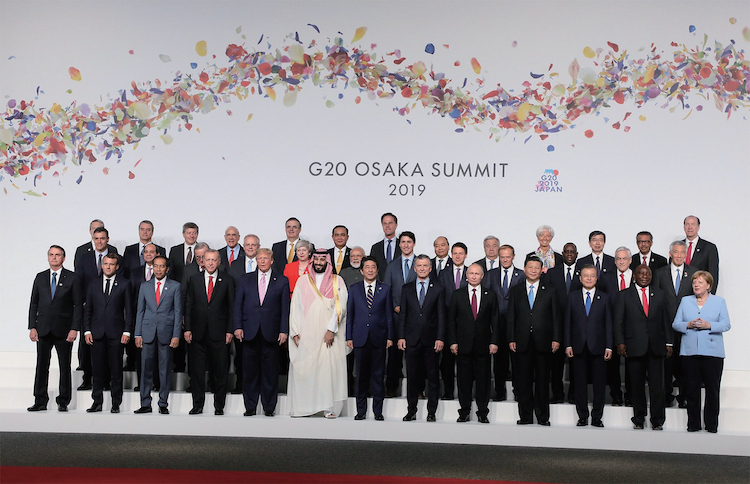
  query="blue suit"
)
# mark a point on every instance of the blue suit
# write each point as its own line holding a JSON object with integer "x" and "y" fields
{"x": 394, "y": 277}
{"x": 369, "y": 328}
{"x": 157, "y": 325}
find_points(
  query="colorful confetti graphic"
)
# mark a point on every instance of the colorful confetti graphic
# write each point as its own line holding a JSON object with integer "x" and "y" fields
{"x": 46, "y": 141}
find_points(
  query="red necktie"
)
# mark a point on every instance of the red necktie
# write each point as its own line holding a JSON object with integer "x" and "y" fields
{"x": 474, "y": 303}
{"x": 622, "y": 282}
{"x": 645, "y": 301}
{"x": 231, "y": 257}
{"x": 210, "y": 287}
{"x": 644, "y": 261}
{"x": 158, "y": 292}
{"x": 689, "y": 251}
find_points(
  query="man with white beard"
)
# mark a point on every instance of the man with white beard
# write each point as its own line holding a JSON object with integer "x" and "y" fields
{"x": 353, "y": 274}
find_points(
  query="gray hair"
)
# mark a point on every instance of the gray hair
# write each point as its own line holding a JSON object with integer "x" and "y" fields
{"x": 488, "y": 238}
{"x": 621, "y": 248}
{"x": 306, "y": 244}
{"x": 201, "y": 245}
{"x": 681, "y": 243}
{"x": 547, "y": 228}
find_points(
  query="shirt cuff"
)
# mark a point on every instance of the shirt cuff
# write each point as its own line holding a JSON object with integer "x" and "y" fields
{"x": 126, "y": 333}
{"x": 669, "y": 344}
{"x": 87, "y": 332}
{"x": 333, "y": 325}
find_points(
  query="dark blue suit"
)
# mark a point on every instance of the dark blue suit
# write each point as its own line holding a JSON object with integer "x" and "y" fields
{"x": 589, "y": 336}
{"x": 369, "y": 329}
{"x": 448, "y": 360}
{"x": 394, "y": 277}
{"x": 494, "y": 280}
{"x": 261, "y": 323}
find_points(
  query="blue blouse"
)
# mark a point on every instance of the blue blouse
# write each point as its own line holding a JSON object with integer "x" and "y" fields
{"x": 701, "y": 342}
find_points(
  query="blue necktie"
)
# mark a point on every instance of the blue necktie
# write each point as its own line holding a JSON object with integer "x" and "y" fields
{"x": 598, "y": 266}
{"x": 388, "y": 253}
{"x": 421, "y": 294}
{"x": 588, "y": 302}
{"x": 369, "y": 296}
{"x": 406, "y": 269}
{"x": 53, "y": 285}
{"x": 677, "y": 283}
{"x": 492, "y": 264}
{"x": 568, "y": 280}
{"x": 505, "y": 283}
{"x": 531, "y": 296}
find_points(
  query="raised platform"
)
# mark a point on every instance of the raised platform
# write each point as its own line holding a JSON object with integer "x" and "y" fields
{"x": 17, "y": 375}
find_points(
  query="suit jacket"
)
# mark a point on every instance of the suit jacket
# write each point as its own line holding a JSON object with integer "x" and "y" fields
{"x": 279, "y": 257}
{"x": 177, "y": 262}
{"x": 374, "y": 324}
{"x": 706, "y": 258}
{"x": 189, "y": 272}
{"x": 394, "y": 277}
{"x": 607, "y": 263}
{"x": 225, "y": 258}
{"x": 494, "y": 280}
{"x": 610, "y": 283}
{"x": 162, "y": 321}
{"x": 63, "y": 313}
{"x": 210, "y": 319}
{"x": 85, "y": 264}
{"x": 447, "y": 279}
{"x": 448, "y": 264}
{"x": 377, "y": 251}
{"x": 662, "y": 279}
{"x": 269, "y": 318}
{"x": 424, "y": 324}
{"x": 556, "y": 278}
{"x": 345, "y": 263}
{"x": 637, "y": 331}
{"x": 108, "y": 316}
{"x": 702, "y": 342}
{"x": 463, "y": 330}
{"x": 654, "y": 262}
{"x": 593, "y": 330}
{"x": 237, "y": 269}
{"x": 545, "y": 318}
{"x": 131, "y": 258}
{"x": 351, "y": 276}
{"x": 482, "y": 262}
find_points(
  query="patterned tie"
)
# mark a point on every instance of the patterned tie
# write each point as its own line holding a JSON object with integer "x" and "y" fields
{"x": 677, "y": 283}
{"x": 645, "y": 301}
{"x": 369, "y": 296}
{"x": 158, "y": 292}
{"x": 474, "y": 308}
{"x": 290, "y": 255}
{"x": 568, "y": 280}
{"x": 421, "y": 294}
{"x": 262, "y": 287}
{"x": 458, "y": 278}
{"x": 689, "y": 251}
{"x": 440, "y": 266}
{"x": 531, "y": 296}
{"x": 210, "y": 291}
{"x": 339, "y": 261}
{"x": 505, "y": 283}
{"x": 53, "y": 285}
{"x": 622, "y": 281}
{"x": 231, "y": 257}
{"x": 99, "y": 266}
{"x": 406, "y": 269}
{"x": 588, "y": 302}
{"x": 106, "y": 288}
{"x": 598, "y": 266}
{"x": 189, "y": 258}
{"x": 149, "y": 273}
{"x": 141, "y": 256}
{"x": 389, "y": 253}
{"x": 644, "y": 260}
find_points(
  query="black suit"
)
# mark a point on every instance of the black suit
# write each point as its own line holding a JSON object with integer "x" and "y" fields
{"x": 611, "y": 283}
{"x": 421, "y": 326}
{"x": 434, "y": 274}
{"x": 224, "y": 256}
{"x": 107, "y": 317}
{"x": 533, "y": 330}
{"x": 131, "y": 258}
{"x": 344, "y": 263}
{"x": 53, "y": 319}
{"x": 177, "y": 262}
{"x": 653, "y": 262}
{"x": 237, "y": 270}
{"x": 280, "y": 254}
{"x": 589, "y": 335}
{"x": 473, "y": 337}
{"x": 486, "y": 265}
{"x": 706, "y": 258}
{"x": 448, "y": 359}
{"x": 558, "y": 278}
{"x": 497, "y": 281}
{"x": 209, "y": 322}
{"x": 377, "y": 251}
{"x": 646, "y": 339}
{"x": 606, "y": 263}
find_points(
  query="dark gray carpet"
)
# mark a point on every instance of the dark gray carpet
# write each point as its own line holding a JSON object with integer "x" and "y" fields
{"x": 366, "y": 458}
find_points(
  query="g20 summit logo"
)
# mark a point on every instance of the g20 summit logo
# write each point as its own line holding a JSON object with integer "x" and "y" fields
{"x": 548, "y": 182}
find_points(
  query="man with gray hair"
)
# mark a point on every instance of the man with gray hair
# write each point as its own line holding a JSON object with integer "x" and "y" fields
{"x": 491, "y": 258}
{"x": 353, "y": 274}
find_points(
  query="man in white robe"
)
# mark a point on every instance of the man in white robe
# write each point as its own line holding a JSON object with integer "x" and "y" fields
{"x": 317, "y": 328}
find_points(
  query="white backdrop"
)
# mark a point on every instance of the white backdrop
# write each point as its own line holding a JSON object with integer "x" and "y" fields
{"x": 255, "y": 173}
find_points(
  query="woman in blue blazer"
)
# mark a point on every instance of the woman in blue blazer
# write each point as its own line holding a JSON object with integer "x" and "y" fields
{"x": 702, "y": 318}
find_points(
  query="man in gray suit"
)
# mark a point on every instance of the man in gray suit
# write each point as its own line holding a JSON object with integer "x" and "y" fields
{"x": 158, "y": 326}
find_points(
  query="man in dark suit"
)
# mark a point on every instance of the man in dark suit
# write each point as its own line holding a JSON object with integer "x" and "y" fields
{"x": 158, "y": 325}
{"x": 534, "y": 334}
{"x": 588, "y": 342}
{"x": 442, "y": 259}
{"x": 675, "y": 279}
{"x": 88, "y": 246}
{"x": 89, "y": 268}
{"x": 245, "y": 264}
{"x": 261, "y": 322}
{"x": 564, "y": 278}
{"x": 179, "y": 354}
{"x": 421, "y": 334}
{"x": 643, "y": 334}
{"x": 386, "y": 250}
{"x": 285, "y": 252}
{"x": 701, "y": 254}
{"x": 501, "y": 281}
{"x": 231, "y": 252}
{"x": 353, "y": 273}
{"x": 491, "y": 249}
{"x": 132, "y": 258}
{"x": 369, "y": 331}
{"x": 339, "y": 252}
{"x": 55, "y": 314}
{"x": 473, "y": 327}
{"x": 399, "y": 272}
{"x": 182, "y": 255}
{"x": 208, "y": 331}
{"x": 107, "y": 326}
{"x": 645, "y": 240}
{"x": 452, "y": 280}
{"x": 604, "y": 263}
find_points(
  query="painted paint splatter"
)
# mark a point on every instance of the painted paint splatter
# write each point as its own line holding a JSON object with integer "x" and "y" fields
{"x": 38, "y": 140}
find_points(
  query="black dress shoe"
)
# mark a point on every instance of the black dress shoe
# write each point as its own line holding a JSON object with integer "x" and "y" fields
{"x": 545, "y": 424}
{"x": 682, "y": 403}
{"x": 554, "y": 400}
{"x": 94, "y": 408}
{"x": 669, "y": 403}
{"x": 164, "y": 410}
{"x": 431, "y": 417}
{"x": 237, "y": 391}
{"x": 219, "y": 411}
{"x": 447, "y": 397}
{"x": 115, "y": 409}
{"x": 37, "y": 407}
{"x": 144, "y": 410}
{"x": 597, "y": 423}
{"x": 657, "y": 427}
{"x": 249, "y": 413}
{"x": 710, "y": 431}
{"x": 421, "y": 396}
{"x": 379, "y": 417}
{"x": 62, "y": 407}
{"x": 582, "y": 422}
{"x": 268, "y": 414}
{"x": 638, "y": 426}
{"x": 617, "y": 402}
{"x": 524, "y": 422}
{"x": 390, "y": 394}
{"x": 359, "y": 416}
{"x": 693, "y": 430}
{"x": 136, "y": 388}
{"x": 483, "y": 419}
{"x": 410, "y": 416}
{"x": 84, "y": 386}
{"x": 195, "y": 411}
{"x": 463, "y": 418}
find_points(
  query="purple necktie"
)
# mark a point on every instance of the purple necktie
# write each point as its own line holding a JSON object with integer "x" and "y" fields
{"x": 474, "y": 308}
{"x": 458, "y": 278}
